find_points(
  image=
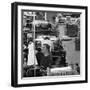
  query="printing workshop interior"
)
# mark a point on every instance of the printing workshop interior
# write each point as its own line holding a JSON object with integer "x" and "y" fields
{"x": 59, "y": 33}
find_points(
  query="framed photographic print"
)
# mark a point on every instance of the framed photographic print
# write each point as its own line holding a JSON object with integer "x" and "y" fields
{"x": 49, "y": 44}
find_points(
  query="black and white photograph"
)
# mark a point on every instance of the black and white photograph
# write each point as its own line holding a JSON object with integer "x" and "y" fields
{"x": 50, "y": 44}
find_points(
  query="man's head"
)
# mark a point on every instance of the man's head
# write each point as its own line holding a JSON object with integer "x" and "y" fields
{"x": 46, "y": 48}
{"x": 30, "y": 40}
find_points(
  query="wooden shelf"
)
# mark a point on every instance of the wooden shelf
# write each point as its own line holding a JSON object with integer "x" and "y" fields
{"x": 42, "y": 32}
